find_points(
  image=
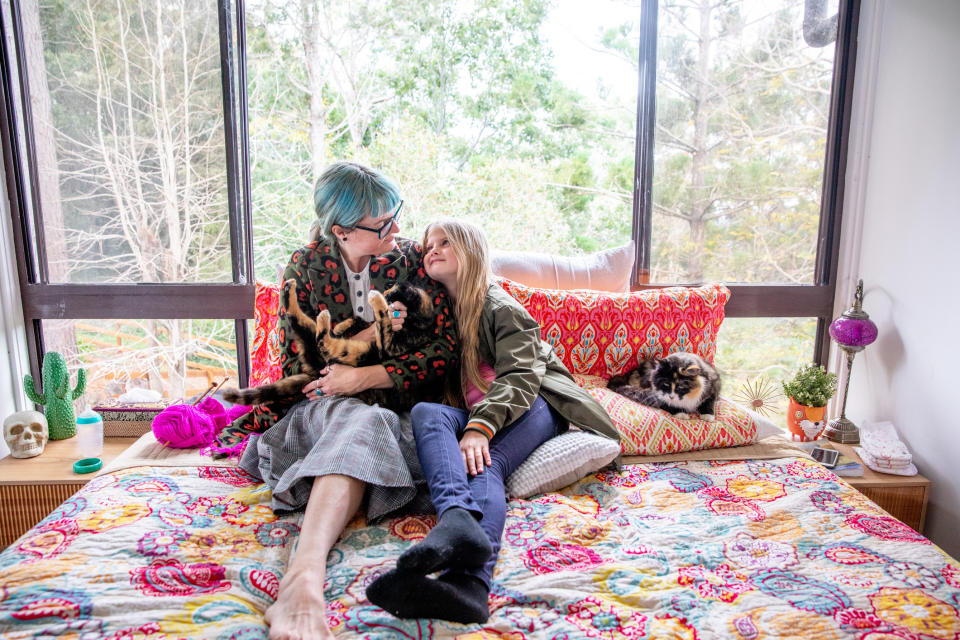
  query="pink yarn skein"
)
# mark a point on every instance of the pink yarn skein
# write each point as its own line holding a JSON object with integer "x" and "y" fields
{"x": 185, "y": 426}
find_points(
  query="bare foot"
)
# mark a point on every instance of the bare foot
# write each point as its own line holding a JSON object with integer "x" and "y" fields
{"x": 300, "y": 612}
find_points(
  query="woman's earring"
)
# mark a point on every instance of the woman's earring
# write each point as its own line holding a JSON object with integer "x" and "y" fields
{"x": 343, "y": 238}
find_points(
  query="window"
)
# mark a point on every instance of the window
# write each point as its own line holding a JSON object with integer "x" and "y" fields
{"x": 711, "y": 134}
{"x": 525, "y": 118}
{"x": 121, "y": 125}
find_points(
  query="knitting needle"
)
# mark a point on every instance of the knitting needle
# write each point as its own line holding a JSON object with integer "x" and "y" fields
{"x": 210, "y": 391}
{"x": 203, "y": 395}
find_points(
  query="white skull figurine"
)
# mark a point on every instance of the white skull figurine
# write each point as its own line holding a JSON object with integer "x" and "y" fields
{"x": 26, "y": 433}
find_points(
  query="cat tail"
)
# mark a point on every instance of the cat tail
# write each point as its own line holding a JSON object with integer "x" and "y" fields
{"x": 640, "y": 396}
{"x": 617, "y": 381}
{"x": 279, "y": 390}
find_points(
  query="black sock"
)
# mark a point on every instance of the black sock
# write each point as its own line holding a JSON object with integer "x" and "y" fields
{"x": 456, "y": 541}
{"x": 456, "y": 597}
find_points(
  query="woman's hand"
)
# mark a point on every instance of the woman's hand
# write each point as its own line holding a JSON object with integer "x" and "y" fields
{"x": 476, "y": 452}
{"x": 367, "y": 335}
{"x": 338, "y": 380}
{"x": 398, "y": 312}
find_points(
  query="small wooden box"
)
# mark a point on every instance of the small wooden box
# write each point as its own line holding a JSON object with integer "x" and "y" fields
{"x": 126, "y": 420}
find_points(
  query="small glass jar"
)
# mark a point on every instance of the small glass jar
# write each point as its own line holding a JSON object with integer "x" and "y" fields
{"x": 89, "y": 434}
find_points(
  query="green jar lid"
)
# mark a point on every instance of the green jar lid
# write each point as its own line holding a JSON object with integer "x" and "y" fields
{"x": 87, "y": 465}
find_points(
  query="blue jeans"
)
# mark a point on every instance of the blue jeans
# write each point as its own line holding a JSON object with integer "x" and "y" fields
{"x": 438, "y": 429}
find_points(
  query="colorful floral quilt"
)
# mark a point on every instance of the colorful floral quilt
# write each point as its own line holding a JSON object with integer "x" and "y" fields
{"x": 743, "y": 550}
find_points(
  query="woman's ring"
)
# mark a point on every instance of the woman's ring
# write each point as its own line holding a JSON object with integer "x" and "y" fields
{"x": 396, "y": 313}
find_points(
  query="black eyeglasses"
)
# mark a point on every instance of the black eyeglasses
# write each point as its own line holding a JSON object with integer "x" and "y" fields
{"x": 383, "y": 229}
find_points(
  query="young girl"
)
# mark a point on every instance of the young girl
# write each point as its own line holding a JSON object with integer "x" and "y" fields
{"x": 514, "y": 395}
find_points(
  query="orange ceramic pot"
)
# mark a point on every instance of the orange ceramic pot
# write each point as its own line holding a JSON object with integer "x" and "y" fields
{"x": 805, "y": 423}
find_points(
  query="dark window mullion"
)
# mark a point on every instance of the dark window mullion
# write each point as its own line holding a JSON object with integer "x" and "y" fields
{"x": 646, "y": 125}
{"x": 237, "y": 247}
{"x": 38, "y": 269}
{"x": 835, "y": 165}
{"x": 244, "y": 216}
{"x": 141, "y": 301}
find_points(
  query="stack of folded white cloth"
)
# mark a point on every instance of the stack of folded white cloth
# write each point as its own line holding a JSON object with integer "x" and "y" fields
{"x": 882, "y": 450}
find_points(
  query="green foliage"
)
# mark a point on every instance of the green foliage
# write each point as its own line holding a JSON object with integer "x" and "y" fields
{"x": 811, "y": 385}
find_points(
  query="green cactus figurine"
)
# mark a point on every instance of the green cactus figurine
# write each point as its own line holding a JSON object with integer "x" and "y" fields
{"x": 56, "y": 395}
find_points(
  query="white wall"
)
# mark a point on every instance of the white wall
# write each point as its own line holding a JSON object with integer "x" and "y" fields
{"x": 904, "y": 199}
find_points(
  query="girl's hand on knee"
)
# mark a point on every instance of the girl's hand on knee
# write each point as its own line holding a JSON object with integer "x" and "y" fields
{"x": 475, "y": 448}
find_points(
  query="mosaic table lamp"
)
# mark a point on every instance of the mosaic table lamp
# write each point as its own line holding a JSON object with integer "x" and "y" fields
{"x": 852, "y": 331}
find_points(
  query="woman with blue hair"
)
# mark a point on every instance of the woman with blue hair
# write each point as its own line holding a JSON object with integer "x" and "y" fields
{"x": 329, "y": 449}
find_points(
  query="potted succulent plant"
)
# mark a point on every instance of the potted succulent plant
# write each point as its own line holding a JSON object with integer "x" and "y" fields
{"x": 808, "y": 391}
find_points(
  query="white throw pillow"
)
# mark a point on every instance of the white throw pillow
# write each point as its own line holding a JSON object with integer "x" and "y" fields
{"x": 560, "y": 462}
{"x": 608, "y": 270}
{"x": 765, "y": 428}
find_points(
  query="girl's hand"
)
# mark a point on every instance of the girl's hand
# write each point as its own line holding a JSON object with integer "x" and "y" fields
{"x": 475, "y": 449}
{"x": 396, "y": 320}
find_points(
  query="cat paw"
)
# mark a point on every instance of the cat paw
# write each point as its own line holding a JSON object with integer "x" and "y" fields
{"x": 378, "y": 303}
{"x": 709, "y": 417}
{"x": 323, "y": 323}
{"x": 342, "y": 328}
{"x": 681, "y": 416}
{"x": 290, "y": 293}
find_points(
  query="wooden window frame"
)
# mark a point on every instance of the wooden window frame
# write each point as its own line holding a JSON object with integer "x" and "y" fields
{"x": 759, "y": 300}
{"x": 43, "y": 300}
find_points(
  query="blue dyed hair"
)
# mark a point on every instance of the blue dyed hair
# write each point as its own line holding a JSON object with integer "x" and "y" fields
{"x": 346, "y": 192}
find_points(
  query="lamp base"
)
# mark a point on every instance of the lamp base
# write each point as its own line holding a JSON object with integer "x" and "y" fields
{"x": 842, "y": 430}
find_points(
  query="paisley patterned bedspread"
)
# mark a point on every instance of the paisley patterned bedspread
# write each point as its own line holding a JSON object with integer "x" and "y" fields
{"x": 733, "y": 549}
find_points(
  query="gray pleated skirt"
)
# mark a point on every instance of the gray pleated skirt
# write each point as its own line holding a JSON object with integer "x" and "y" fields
{"x": 340, "y": 435}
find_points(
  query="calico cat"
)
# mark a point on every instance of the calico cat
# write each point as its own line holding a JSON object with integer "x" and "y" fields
{"x": 681, "y": 383}
{"x": 318, "y": 345}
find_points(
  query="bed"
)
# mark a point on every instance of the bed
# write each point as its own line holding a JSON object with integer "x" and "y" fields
{"x": 705, "y": 544}
{"x": 704, "y": 532}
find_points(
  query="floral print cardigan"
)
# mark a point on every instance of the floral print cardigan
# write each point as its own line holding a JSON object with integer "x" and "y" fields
{"x": 321, "y": 284}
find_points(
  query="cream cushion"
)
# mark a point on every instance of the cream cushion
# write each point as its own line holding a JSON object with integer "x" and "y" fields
{"x": 607, "y": 270}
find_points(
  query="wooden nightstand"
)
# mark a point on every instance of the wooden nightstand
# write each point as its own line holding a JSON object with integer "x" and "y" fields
{"x": 30, "y": 488}
{"x": 903, "y": 497}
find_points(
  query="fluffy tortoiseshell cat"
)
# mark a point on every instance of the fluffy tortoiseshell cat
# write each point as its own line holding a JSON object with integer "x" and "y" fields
{"x": 681, "y": 383}
{"x": 319, "y": 345}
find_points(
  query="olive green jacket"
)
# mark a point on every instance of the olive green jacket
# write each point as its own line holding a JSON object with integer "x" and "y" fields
{"x": 525, "y": 366}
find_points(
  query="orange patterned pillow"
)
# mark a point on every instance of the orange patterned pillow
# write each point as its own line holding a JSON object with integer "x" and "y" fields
{"x": 265, "y": 350}
{"x": 651, "y": 432}
{"x": 603, "y": 334}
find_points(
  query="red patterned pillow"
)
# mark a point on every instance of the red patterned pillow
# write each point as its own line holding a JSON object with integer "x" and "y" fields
{"x": 649, "y": 432}
{"x": 265, "y": 351}
{"x": 603, "y": 334}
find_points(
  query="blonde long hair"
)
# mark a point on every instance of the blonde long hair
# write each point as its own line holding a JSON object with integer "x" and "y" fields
{"x": 473, "y": 277}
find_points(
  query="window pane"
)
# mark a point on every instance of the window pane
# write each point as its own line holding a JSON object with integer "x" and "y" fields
{"x": 519, "y": 116}
{"x": 742, "y": 107}
{"x": 178, "y": 358}
{"x": 128, "y": 120}
{"x": 754, "y": 350}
